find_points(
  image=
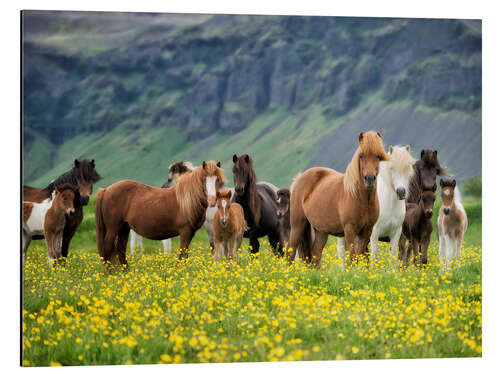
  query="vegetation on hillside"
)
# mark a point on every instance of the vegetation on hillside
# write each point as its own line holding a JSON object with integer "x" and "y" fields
{"x": 138, "y": 91}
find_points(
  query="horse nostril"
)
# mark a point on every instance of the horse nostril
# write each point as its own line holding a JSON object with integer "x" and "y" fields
{"x": 446, "y": 211}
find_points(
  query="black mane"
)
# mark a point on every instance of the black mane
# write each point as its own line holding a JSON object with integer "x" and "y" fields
{"x": 83, "y": 170}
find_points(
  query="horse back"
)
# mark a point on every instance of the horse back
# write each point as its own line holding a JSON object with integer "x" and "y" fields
{"x": 38, "y": 195}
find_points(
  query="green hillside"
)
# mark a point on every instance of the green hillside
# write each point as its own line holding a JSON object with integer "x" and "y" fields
{"x": 136, "y": 92}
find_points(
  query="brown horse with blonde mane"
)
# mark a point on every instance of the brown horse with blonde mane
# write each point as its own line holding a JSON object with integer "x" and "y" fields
{"x": 343, "y": 205}
{"x": 155, "y": 213}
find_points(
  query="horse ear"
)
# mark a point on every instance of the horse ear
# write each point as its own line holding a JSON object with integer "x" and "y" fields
{"x": 229, "y": 194}
{"x": 453, "y": 183}
{"x": 390, "y": 149}
{"x": 77, "y": 163}
{"x": 360, "y": 138}
{"x": 441, "y": 182}
{"x": 422, "y": 154}
{"x": 435, "y": 152}
{"x": 407, "y": 148}
{"x": 247, "y": 158}
{"x": 92, "y": 163}
{"x": 379, "y": 134}
{"x": 58, "y": 189}
{"x": 434, "y": 188}
{"x": 235, "y": 158}
{"x": 204, "y": 164}
{"x": 218, "y": 164}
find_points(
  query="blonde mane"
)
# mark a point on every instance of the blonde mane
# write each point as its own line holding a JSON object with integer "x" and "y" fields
{"x": 371, "y": 143}
{"x": 190, "y": 190}
{"x": 401, "y": 160}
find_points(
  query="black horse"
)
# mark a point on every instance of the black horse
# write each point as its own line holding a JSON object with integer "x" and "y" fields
{"x": 83, "y": 175}
{"x": 259, "y": 205}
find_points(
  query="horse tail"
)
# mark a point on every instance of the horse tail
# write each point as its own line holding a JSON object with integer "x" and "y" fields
{"x": 99, "y": 222}
{"x": 300, "y": 236}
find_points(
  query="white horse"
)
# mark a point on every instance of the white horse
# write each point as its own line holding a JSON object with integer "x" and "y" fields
{"x": 392, "y": 185}
{"x": 452, "y": 223}
{"x": 174, "y": 171}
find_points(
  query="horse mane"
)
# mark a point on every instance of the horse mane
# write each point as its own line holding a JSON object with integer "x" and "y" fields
{"x": 253, "y": 201}
{"x": 429, "y": 157}
{"x": 371, "y": 143}
{"x": 84, "y": 172}
{"x": 401, "y": 159}
{"x": 190, "y": 192}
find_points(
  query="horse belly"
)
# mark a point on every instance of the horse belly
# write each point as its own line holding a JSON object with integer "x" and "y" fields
{"x": 323, "y": 214}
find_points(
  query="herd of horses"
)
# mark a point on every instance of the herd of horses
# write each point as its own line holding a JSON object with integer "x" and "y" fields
{"x": 382, "y": 196}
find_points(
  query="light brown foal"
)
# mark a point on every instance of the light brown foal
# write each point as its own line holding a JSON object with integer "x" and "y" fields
{"x": 229, "y": 226}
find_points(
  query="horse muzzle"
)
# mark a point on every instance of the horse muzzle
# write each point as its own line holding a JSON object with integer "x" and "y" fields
{"x": 428, "y": 214}
{"x": 401, "y": 192}
{"x": 84, "y": 200}
{"x": 211, "y": 200}
{"x": 446, "y": 210}
{"x": 239, "y": 190}
{"x": 370, "y": 181}
{"x": 70, "y": 213}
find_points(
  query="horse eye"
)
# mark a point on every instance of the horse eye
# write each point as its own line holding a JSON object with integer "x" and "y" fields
{"x": 361, "y": 156}
{"x": 379, "y": 157}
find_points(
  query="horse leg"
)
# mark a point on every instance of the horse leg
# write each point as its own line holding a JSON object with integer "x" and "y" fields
{"x": 70, "y": 230}
{"x": 349, "y": 238}
{"x": 374, "y": 245}
{"x": 425, "y": 248}
{"x": 26, "y": 244}
{"x": 121, "y": 245}
{"x": 254, "y": 243}
{"x": 341, "y": 251}
{"x": 108, "y": 246}
{"x": 319, "y": 242}
{"x": 300, "y": 240}
{"x": 218, "y": 251}
{"x": 442, "y": 252}
{"x": 362, "y": 244}
{"x": 394, "y": 244}
{"x": 276, "y": 245}
{"x": 459, "y": 245}
{"x": 186, "y": 235}
{"x": 167, "y": 246}
{"x": 239, "y": 239}
{"x": 415, "y": 245}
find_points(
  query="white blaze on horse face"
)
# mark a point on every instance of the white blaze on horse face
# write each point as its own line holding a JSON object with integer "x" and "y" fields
{"x": 224, "y": 204}
{"x": 446, "y": 192}
{"x": 211, "y": 191}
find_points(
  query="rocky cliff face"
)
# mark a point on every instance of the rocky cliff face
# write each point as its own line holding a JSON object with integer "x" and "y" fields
{"x": 217, "y": 74}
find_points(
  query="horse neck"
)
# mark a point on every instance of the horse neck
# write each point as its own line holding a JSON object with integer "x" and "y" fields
{"x": 365, "y": 196}
{"x": 251, "y": 198}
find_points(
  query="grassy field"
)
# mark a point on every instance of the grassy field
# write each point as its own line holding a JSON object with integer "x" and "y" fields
{"x": 166, "y": 311}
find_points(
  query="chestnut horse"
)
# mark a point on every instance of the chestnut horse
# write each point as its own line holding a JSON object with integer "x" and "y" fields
{"x": 258, "y": 200}
{"x": 49, "y": 219}
{"x": 174, "y": 171}
{"x": 344, "y": 205}
{"x": 83, "y": 176}
{"x": 228, "y": 226}
{"x": 154, "y": 213}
